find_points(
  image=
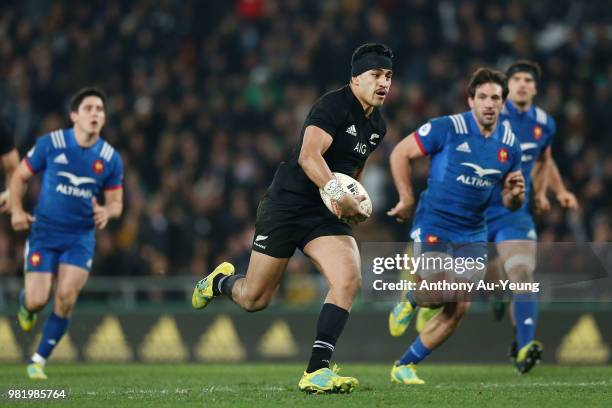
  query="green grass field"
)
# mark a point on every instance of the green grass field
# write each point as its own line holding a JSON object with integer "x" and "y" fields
{"x": 254, "y": 385}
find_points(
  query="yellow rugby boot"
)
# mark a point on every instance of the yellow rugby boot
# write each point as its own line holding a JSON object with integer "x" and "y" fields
{"x": 203, "y": 292}
{"x": 405, "y": 374}
{"x": 26, "y": 319}
{"x": 528, "y": 356}
{"x": 36, "y": 372}
{"x": 327, "y": 381}
{"x": 400, "y": 318}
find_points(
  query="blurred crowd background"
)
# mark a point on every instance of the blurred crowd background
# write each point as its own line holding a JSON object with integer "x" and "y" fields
{"x": 206, "y": 98}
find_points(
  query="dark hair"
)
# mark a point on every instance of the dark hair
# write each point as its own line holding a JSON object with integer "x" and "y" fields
{"x": 83, "y": 93}
{"x": 371, "y": 48}
{"x": 486, "y": 75}
{"x": 530, "y": 67}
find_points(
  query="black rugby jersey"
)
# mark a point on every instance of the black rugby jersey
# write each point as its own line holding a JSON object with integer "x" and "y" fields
{"x": 340, "y": 114}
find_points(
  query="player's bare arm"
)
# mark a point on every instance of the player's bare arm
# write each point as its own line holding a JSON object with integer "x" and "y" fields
{"x": 513, "y": 193}
{"x": 20, "y": 220}
{"x": 406, "y": 150}
{"x": 316, "y": 142}
{"x": 565, "y": 198}
{"x": 112, "y": 209}
{"x": 10, "y": 161}
{"x": 540, "y": 179}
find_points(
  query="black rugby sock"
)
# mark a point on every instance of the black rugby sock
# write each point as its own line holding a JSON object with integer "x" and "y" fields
{"x": 329, "y": 327}
{"x": 223, "y": 284}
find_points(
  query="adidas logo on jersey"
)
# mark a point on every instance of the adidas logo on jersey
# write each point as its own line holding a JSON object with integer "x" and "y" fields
{"x": 351, "y": 130}
{"x": 61, "y": 159}
{"x": 464, "y": 147}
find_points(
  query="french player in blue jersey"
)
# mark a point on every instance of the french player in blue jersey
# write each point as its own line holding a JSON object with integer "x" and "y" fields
{"x": 79, "y": 170}
{"x": 471, "y": 153}
{"x": 514, "y": 232}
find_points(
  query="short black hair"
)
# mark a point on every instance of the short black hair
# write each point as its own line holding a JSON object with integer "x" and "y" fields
{"x": 531, "y": 67}
{"x": 371, "y": 48}
{"x": 486, "y": 75}
{"x": 83, "y": 93}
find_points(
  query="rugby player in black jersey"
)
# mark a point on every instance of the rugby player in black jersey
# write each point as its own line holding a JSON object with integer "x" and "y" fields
{"x": 342, "y": 129}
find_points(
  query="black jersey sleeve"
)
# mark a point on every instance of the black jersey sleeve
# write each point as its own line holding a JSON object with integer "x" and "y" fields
{"x": 328, "y": 113}
{"x": 6, "y": 140}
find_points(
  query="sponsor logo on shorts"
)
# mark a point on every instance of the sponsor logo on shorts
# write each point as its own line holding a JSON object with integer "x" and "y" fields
{"x": 432, "y": 239}
{"x": 259, "y": 239}
{"x": 35, "y": 259}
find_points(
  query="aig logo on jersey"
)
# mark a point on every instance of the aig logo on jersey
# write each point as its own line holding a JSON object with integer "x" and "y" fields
{"x": 361, "y": 148}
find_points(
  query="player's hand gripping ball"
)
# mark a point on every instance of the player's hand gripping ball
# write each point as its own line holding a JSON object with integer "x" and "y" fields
{"x": 349, "y": 186}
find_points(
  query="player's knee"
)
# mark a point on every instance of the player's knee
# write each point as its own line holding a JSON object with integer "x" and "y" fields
{"x": 455, "y": 315}
{"x": 257, "y": 301}
{"x": 36, "y": 301}
{"x": 519, "y": 268}
{"x": 348, "y": 288}
{"x": 65, "y": 300}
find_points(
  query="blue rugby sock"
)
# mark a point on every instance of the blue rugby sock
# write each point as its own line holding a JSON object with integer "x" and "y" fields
{"x": 525, "y": 307}
{"x": 415, "y": 353}
{"x": 54, "y": 329}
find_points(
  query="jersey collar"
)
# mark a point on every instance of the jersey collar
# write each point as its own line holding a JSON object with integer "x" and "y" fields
{"x": 356, "y": 107}
{"x": 474, "y": 129}
{"x": 73, "y": 142}
{"x": 514, "y": 111}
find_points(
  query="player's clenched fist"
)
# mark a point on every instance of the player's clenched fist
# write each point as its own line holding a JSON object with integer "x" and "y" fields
{"x": 21, "y": 220}
{"x": 100, "y": 214}
{"x": 515, "y": 184}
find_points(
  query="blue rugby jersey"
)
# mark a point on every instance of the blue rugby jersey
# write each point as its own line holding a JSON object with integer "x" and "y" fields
{"x": 535, "y": 130}
{"x": 465, "y": 169}
{"x": 72, "y": 175}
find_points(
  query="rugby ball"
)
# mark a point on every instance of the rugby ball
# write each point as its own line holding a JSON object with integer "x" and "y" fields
{"x": 350, "y": 186}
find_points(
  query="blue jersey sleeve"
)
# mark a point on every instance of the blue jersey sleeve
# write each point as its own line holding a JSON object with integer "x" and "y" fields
{"x": 431, "y": 136}
{"x": 115, "y": 178}
{"x": 36, "y": 159}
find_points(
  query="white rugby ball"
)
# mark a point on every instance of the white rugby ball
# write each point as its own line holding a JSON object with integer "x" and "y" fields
{"x": 350, "y": 186}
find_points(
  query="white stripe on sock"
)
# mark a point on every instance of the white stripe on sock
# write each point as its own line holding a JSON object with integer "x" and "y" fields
{"x": 37, "y": 358}
{"x": 221, "y": 283}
